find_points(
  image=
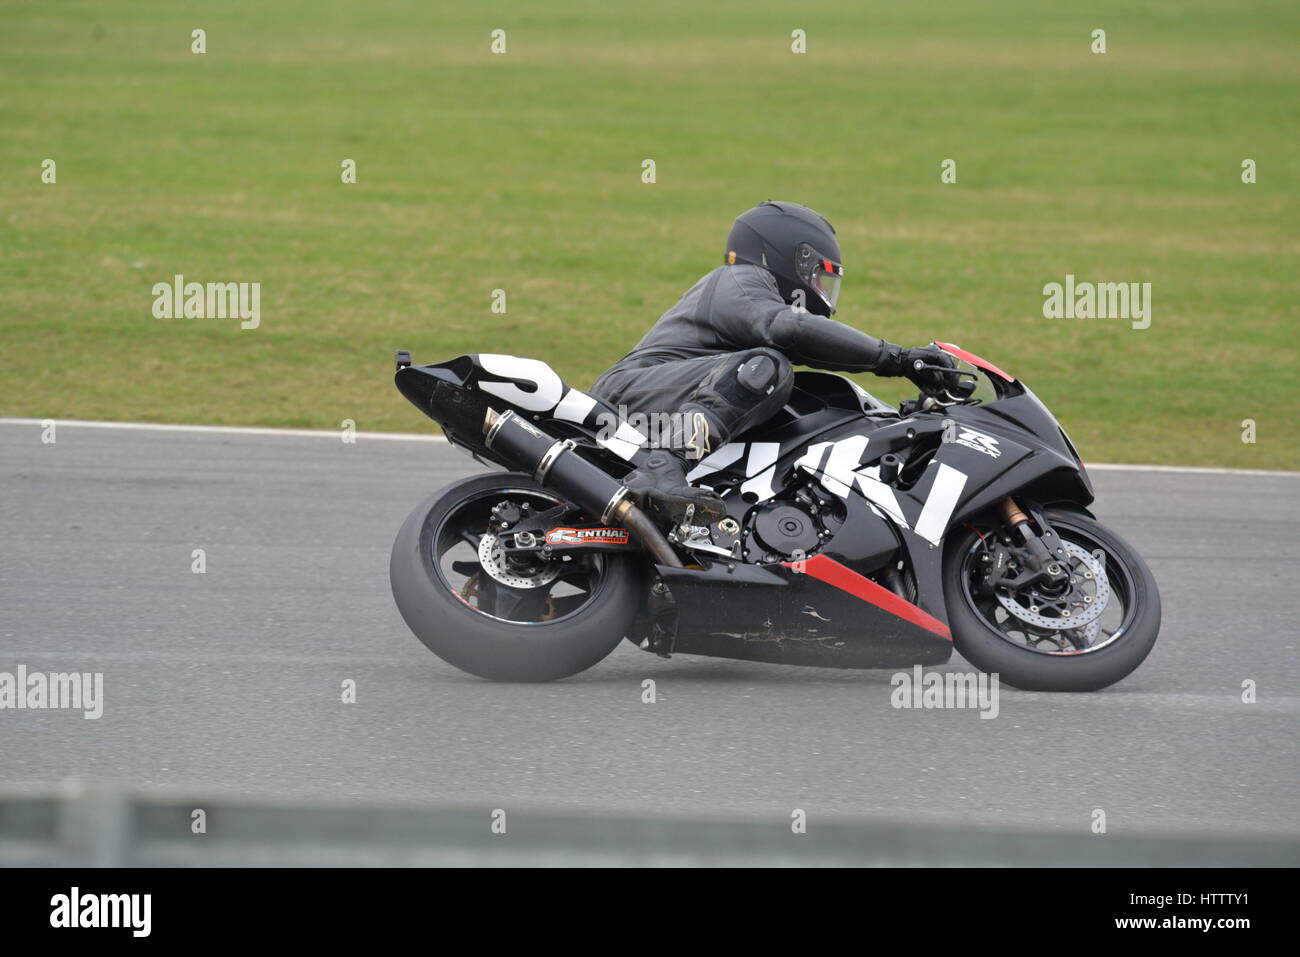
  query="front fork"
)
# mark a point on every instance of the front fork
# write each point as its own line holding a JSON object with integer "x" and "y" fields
{"x": 1045, "y": 551}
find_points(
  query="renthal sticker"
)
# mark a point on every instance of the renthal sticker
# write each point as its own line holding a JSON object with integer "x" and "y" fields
{"x": 587, "y": 536}
{"x": 977, "y": 441}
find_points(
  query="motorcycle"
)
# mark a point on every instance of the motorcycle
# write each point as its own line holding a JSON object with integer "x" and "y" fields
{"x": 858, "y": 535}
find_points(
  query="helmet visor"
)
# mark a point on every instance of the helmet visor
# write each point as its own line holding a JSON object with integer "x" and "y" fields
{"x": 826, "y": 279}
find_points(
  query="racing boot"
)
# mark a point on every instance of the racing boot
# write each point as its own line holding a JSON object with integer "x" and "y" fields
{"x": 659, "y": 485}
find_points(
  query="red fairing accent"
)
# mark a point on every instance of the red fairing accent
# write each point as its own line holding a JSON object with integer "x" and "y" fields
{"x": 846, "y": 579}
{"x": 973, "y": 359}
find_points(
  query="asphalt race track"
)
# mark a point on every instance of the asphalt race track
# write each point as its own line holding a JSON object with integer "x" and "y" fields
{"x": 231, "y": 680}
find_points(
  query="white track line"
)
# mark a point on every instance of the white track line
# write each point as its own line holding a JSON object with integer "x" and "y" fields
{"x": 1192, "y": 469}
{"x": 416, "y": 437}
{"x": 230, "y": 430}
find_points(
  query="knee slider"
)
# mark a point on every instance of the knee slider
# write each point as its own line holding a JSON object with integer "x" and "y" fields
{"x": 762, "y": 372}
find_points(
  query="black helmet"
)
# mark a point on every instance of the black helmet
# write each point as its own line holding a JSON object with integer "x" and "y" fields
{"x": 794, "y": 244}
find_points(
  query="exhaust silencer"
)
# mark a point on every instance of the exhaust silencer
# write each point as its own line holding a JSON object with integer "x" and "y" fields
{"x": 555, "y": 465}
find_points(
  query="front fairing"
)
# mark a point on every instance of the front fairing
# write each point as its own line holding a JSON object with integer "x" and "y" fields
{"x": 1022, "y": 417}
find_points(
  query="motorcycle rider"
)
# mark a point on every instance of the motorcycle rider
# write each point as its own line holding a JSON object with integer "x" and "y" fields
{"x": 721, "y": 357}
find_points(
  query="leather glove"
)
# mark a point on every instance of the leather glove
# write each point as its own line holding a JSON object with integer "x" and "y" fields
{"x": 897, "y": 361}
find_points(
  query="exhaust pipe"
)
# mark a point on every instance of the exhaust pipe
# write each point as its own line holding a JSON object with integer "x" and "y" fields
{"x": 555, "y": 465}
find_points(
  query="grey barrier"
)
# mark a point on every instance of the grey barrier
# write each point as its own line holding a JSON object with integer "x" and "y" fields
{"x": 75, "y": 826}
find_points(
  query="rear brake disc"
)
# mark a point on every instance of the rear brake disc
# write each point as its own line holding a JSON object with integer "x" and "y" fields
{"x": 491, "y": 555}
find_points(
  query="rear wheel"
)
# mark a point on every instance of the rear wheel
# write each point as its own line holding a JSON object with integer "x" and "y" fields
{"x": 1026, "y": 637}
{"x": 503, "y": 615}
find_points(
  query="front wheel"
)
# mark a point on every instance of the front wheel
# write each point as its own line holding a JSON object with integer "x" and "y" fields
{"x": 502, "y": 615}
{"x": 1020, "y": 636}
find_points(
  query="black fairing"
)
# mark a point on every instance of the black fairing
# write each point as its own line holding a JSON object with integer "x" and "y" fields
{"x": 790, "y": 618}
{"x": 441, "y": 392}
{"x": 453, "y": 394}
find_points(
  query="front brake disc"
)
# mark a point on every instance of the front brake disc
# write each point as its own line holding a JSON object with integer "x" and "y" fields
{"x": 1083, "y": 613}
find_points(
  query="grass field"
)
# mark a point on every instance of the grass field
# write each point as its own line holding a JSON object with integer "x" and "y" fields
{"x": 522, "y": 171}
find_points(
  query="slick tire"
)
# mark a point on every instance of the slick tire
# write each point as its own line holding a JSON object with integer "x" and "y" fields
{"x": 491, "y": 647}
{"x": 986, "y": 648}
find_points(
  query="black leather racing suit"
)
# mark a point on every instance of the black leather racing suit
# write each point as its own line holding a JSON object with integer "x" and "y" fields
{"x": 726, "y": 350}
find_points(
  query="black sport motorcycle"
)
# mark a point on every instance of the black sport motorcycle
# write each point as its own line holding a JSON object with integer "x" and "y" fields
{"x": 858, "y": 535}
